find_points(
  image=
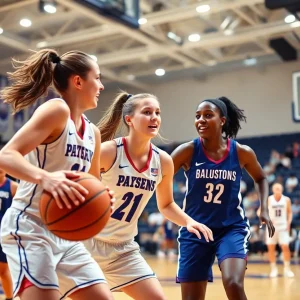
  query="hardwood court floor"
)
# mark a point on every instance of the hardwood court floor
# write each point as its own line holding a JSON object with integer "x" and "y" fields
{"x": 257, "y": 284}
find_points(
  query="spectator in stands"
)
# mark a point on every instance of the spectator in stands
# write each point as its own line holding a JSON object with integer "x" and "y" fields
{"x": 296, "y": 209}
{"x": 269, "y": 171}
{"x": 295, "y": 149}
{"x": 291, "y": 183}
{"x": 285, "y": 162}
{"x": 256, "y": 241}
{"x": 275, "y": 158}
{"x": 243, "y": 187}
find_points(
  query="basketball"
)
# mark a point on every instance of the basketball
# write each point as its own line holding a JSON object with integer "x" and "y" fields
{"x": 80, "y": 222}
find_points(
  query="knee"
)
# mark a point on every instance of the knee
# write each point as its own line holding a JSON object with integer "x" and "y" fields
{"x": 159, "y": 297}
{"x": 233, "y": 284}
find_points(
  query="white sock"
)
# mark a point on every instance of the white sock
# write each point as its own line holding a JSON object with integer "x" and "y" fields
{"x": 273, "y": 266}
{"x": 287, "y": 264}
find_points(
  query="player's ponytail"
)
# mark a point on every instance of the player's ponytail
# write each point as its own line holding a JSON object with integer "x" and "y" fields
{"x": 30, "y": 80}
{"x": 33, "y": 76}
{"x": 123, "y": 105}
{"x": 234, "y": 116}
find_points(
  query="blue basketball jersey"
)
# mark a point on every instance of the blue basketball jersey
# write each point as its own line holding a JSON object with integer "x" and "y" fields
{"x": 5, "y": 197}
{"x": 213, "y": 188}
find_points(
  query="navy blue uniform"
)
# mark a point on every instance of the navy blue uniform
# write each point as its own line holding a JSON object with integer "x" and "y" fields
{"x": 212, "y": 198}
{"x": 5, "y": 203}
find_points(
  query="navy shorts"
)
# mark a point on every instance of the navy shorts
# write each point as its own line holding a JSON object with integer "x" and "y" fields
{"x": 196, "y": 257}
{"x": 2, "y": 256}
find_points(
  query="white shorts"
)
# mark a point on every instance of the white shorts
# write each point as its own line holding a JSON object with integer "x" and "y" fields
{"x": 280, "y": 237}
{"x": 34, "y": 252}
{"x": 122, "y": 263}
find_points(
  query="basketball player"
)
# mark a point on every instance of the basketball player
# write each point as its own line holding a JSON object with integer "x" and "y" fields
{"x": 57, "y": 137}
{"x": 281, "y": 216}
{"x": 213, "y": 167}
{"x": 135, "y": 168}
{"x": 8, "y": 190}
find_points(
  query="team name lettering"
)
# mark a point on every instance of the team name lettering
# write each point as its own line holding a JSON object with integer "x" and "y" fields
{"x": 216, "y": 174}
{"x": 79, "y": 151}
{"x": 4, "y": 194}
{"x": 136, "y": 182}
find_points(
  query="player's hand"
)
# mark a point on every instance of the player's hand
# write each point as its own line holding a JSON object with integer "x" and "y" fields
{"x": 265, "y": 220}
{"x": 63, "y": 189}
{"x": 112, "y": 198}
{"x": 196, "y": 228}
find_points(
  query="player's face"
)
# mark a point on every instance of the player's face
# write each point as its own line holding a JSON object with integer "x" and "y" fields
{"x": 92, "y": 87}
{"x": 146, "y": 118}
{"x": 208, "y": 122}
{"x": 277, "y": 189}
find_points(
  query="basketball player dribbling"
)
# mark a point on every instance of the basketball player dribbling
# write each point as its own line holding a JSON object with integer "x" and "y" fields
{"x": 213, "y": 165}
{"x": 281, "y": 215}
{"x": 57, "y": 137}
{"x": 135, "y": 169}
{"x": 8, "y": 190}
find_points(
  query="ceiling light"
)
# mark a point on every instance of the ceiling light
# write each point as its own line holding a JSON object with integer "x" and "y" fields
{"x": 143, "y": 21}
{"x": 130, "y": 77}
{"x": 93, "y": 57}
{"x": 228, "y": 32}
{"x": 194, "y": 37}
{"x": 290, "y": 19}
{"x": 250, "y": 61}
{"x": 25, "y": 23}
{"x": 211, "y": 62}
{"x": 50, "y": 8}
{"x": 1, "y": 30}
{"x": 203, "y": 8}
{"x": 160, "y": 72}
{"x": 42, "y": 44}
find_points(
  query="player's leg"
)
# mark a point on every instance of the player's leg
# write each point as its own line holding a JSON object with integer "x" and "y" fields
{"x": 80, "y": 277}
{"x": 148, "y": 289}
{"x": 35, "y": 293}
{"x": 232, "y": 254}
{"x": 6, "y": 280}
{"x": 283, "y": 239}
{"x": 193, "y": 290}
{"x": 233, "y": 275}
{"x": 194, "y": 267}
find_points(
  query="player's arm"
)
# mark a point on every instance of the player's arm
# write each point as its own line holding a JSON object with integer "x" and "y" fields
{"x": 95, "y": 165}
{"x": 13, "y": 188}
{"x": 249, "y": 162}
{"x": 108, "y": 155}
{"x": 182, "y": 156}
{"x": 167, "y": 205}
{"x": 46, "y": 124}
{"x": 258, "y": 210}
{"x": 48, "y": 121}
{"x": 289, "y": 212}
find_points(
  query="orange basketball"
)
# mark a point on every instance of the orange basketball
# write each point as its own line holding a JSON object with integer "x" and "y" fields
{"x": 80, "y": 222}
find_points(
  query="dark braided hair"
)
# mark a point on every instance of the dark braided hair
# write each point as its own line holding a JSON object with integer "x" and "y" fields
{"x": 234, "y": 116}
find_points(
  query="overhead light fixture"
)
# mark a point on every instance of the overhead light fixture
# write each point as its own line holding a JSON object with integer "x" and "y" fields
{"x": 250, "y": 61}
{"x": 173, "y": 36}
{"x": 228, "y": 32}
{"x": 160, "y": 72}
{"x": 290, "y": 19}
{"x": 47, "y": 6}
{"x": 25, "y": 23}
{"x": 131, "y": 77}
{"x": 194, "y": 37}
{"x": 41, "y": 44}
{"x": 142, "y": 21}
{"x": 203, "y": 8}
{"x": 211, "y": 62}
{"x": 1, "y": 30}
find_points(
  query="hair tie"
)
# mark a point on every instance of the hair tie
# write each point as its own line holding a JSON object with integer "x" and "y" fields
{"x": 129, "y": 96}
{"x": 55, "y": 58}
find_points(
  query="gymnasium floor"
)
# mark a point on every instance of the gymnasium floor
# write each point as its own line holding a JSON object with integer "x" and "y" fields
{"x": 258, "y": 285}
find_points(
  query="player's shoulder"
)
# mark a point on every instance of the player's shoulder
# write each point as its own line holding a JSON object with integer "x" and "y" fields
{"x": 244, "y": 149}
{"x": 184, "y": 149}
{"x": 55, "y": 108}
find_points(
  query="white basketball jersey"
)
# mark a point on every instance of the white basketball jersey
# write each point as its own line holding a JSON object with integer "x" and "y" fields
{"x": 70, "y": 151}
{"x": 133, "y": 188}
{"x": 278, "y": 212}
